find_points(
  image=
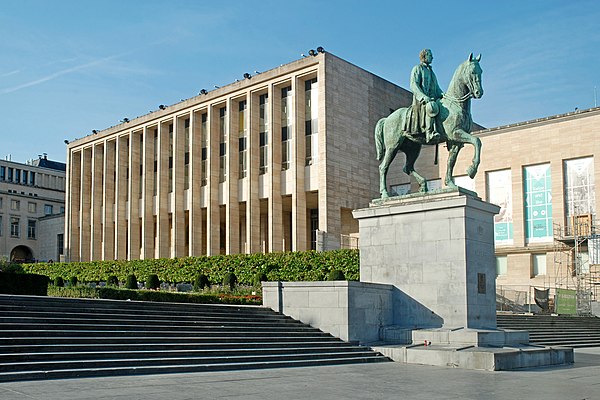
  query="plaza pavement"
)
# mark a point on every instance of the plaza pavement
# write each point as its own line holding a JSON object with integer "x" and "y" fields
{"x": 358, "y": 381}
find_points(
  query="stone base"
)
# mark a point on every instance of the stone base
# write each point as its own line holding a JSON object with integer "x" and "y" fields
{"x": 471, "y": 337}
{"x": 483, "y": 358}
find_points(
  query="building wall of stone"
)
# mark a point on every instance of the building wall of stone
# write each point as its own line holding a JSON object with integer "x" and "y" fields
{"x": 48, "y": 242}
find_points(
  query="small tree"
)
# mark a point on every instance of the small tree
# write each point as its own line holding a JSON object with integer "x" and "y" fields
{"x": 336, "y": 275}
{"x": 230, "y": 280}
{"x": 131, "y": 282}
{"x": 201, "y": 282}
{"x": 73, "y": 281}
{"x": 260, "y": 277}
{"x": 59, "y": 281}
{"x": 112, "y": 280}
{"x": 152, "y": 282}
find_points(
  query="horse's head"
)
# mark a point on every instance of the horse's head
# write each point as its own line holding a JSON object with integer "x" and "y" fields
{"x": 471, "y": 75}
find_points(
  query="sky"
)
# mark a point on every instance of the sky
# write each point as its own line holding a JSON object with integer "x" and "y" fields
{"x": 68, "y": 67}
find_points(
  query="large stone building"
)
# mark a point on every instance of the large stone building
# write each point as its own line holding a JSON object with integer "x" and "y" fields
{"x": 32, "y": 195}
{"x": 262, "y": 164}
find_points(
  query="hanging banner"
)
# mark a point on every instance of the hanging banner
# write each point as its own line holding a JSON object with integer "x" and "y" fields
{"x": 538, "y": 203}
{"x": 500, "y": 193}
{"x": 566, "y": 301}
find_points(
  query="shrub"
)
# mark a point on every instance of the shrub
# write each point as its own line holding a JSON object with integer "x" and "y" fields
{"x": 30, "y": 284}
{"x": 152, "y": 282}
{"x": 260, "y": 277}
{"x": 336, "y": 275}
{"x": 131, "y": 282}
{"x": 59, "y": 281}
{"x": 73, "y": 281}
{"x": 112, "y": 280}
{"x": 201, "y": 282}
{"x": 230, "y": 280}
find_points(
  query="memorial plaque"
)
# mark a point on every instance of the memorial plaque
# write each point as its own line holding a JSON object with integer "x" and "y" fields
{"x": 481, "y": 283}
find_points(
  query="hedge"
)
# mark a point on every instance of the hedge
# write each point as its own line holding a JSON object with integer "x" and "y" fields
{"x": 29, "y": 284}
{"x": 284, "y": 266}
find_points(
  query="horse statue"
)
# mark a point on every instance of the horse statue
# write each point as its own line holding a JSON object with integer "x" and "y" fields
{"x": 454, "y": 125}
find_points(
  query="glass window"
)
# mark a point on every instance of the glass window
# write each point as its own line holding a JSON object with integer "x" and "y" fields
{"x": 499, "y": 192}
{"x": 186, "y": 156}
{"x": 311, "y": 121}
{"x": 48, "y": 209}
{"x": 25, "y": 177}
{"x": 501, "y": 265}
{"x": 580, "y": 198}
{"x": 31, "y": 229}
{"x": 2, "y": 173}
{"x": 263, "y": 127}
{"x": 204, "y": 145}
{"x": 538, "y": 203}
{"x": 286, "y": 127}
{"x": 60, "y": 244}
{"x": 32, "y": 178}
{"x": 242, "y": 134}
{"x": 539, "y": 264}
{"x": 10, "y": 174}
{"x": 17, "y": 176}
{"x": 222, "y": 144}
{"x": 170, "y": 158}
{"x": 14, "y": 227}
{"x": 32, "y": 207}
{"x": 15, "y": 205}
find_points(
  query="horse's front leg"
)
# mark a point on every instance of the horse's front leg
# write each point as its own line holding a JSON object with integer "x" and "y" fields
{"x": 464, "y": 137}
{"x": 449, "y": 181}
{"x": 390, "y": 153}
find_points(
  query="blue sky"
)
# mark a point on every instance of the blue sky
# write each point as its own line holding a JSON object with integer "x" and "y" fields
{"x": 67, "y": 67}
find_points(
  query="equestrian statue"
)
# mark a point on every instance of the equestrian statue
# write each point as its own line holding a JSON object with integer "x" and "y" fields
{"x": 434, "y": 117}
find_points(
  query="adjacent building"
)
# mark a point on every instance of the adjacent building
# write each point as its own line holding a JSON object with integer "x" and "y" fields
{"x": 274, "y": 162}
{"x": 32, "y": 209}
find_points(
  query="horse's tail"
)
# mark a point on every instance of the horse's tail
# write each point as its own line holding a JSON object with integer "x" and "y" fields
{"x": 379, "y": 143}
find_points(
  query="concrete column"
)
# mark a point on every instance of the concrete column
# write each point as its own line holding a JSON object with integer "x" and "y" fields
{"x": 86, "y": 203}
{"x": 74, "y": 206}
{"x": 135, "y": 160}
{"x": 299, "y": 242}
{"x": 163, "y": 194}
{"x": 108, "y": 215}
{"x": 179, "y": 223}
{"x": 212, "y": 188}
{"x": 275, "y": 202}
{"x": 97, "y": 200}
{"x": 253, "y": 202}
{"x": 196, "y": 221}
{"x": 147, "y": 211}
{"x": 232, "y": 205}
{"x": 121, "y": 198}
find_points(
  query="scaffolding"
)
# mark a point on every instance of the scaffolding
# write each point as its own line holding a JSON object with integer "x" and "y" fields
{"x": 576, "y": 261}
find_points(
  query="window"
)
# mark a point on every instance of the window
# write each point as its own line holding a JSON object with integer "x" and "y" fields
{"x": 537, "y": 182}
{"x": 17, "y": 176}
{"x": 14, "y": 227}
{"x": 311, "y": 121}
{"x": 222, "y": 144}
{"x": 286, "y": 127}
{"x": 186, "y": 155}
{"x": 1, "y": 226}
{"x": 0, "y": 203}
{"x": 31, "y": 229}
{"x": 170, "y": 158}
{"x": 499, "y": 192}
{"x": 25, "y": 177}
{"x": 2, "y": 173}
{"x": 32, "y": 178}
{"x": 263, "y": 127}
{"x": 62, "y": 210}
{"x": 10, "y": 174}
{"x": 539, "y": 264}
{"x": 32, "y": 207}
{"x": 48, "y": 209}
{"x": 15, "y": 205}
{"x": 155, "y": 161}
{"x": 580, "y": 198}
{"x": 501, "y": 265}
{"x": 60, "y": 244}
{"x": 243, "y": 138}
{"x": 204, "y": 145}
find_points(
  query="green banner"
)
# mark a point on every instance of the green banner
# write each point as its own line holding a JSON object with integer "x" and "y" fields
{"x": 566, "y": 301}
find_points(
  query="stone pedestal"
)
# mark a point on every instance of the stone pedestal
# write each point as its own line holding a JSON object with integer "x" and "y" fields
{"x": 438, "y": 250}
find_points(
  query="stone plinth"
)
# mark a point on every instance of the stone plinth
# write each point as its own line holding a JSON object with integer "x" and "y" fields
{"x": 438, "y": 250}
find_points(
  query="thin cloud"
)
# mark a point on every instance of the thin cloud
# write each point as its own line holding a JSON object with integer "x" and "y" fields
{"x": 57, "y": 74}
{"x": 16, "y": 71}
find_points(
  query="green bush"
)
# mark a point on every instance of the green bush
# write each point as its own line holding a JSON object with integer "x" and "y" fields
{"x": 131, "y": 282}
{"x": 29, "y": 284}
{"x": 336, "y": 275}
{"x": 201, "y": 282}
{"x": 59, "y": 281}
{"x": 260, "y": 277}
{"x": 230, "y": 280}
{"x": 73, "y": 281}
{"x": 152, "y": 282}
{"x": 285, "y": 266}
{"x": 112, "y": 280}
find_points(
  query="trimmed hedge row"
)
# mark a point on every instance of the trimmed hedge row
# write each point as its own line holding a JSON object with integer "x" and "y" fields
{"x": 287, "y": 266}
{"x": 29, "y": 284}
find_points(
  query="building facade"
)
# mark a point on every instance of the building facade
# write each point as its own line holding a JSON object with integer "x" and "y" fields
{"x": 29, "y": 194}
{"x": 542, "y": 174}
{"x": 260, "y": 165}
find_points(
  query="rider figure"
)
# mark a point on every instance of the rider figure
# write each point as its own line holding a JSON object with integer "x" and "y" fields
{"x": 425, "y": 88}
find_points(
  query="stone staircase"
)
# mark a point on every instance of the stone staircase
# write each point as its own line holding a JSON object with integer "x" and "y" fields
{"x": 48, "y": 338}
{"x": 550, "y": 330}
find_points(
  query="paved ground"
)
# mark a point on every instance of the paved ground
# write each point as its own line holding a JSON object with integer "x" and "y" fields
{"x": 365, "y": 381}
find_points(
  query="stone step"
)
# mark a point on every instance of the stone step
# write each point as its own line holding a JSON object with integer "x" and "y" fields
{"x": 200, "y": 326}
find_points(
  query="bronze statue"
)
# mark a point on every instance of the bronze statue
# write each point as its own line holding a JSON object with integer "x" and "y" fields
{"x": 420, "y": 117}
{"x": 453, "y": 121}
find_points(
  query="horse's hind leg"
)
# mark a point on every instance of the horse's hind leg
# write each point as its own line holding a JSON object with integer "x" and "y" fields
{"x": 390, "y": 153}
{"x": 409, "y": 167}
